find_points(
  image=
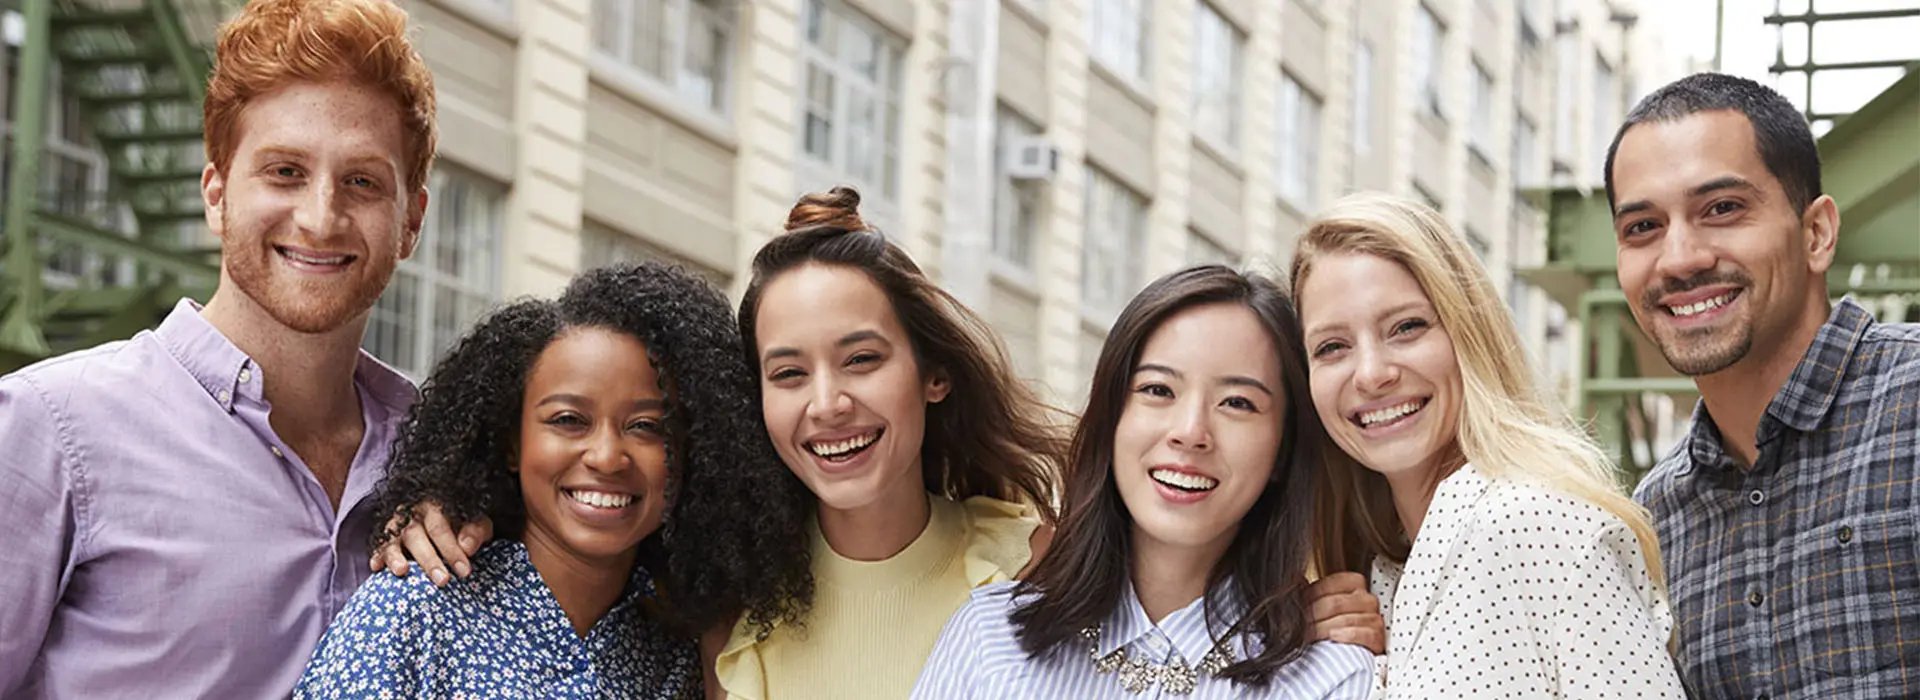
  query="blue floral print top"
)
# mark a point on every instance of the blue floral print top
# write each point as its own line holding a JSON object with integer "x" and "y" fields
{"x": 496, "y": 634}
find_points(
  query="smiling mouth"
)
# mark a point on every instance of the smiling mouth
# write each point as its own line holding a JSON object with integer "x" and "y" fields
{"x": 600, "y": 499}
{"x": 1389, "y": 415}
{"x": 312, "y": 260}
{"x": 1187, "y": 482}
{"x": 1702, "y": 306}
{"x": 843, "y": 450}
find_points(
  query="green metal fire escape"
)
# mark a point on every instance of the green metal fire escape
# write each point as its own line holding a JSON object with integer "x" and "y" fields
{"x": 83, "y": 266}
{"x": 1871, "y": 167}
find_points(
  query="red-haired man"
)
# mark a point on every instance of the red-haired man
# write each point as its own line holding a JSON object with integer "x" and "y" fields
{"x": 188, "y": 507}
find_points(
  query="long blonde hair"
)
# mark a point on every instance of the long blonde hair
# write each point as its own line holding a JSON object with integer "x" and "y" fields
{"x": 1509, "y": 427}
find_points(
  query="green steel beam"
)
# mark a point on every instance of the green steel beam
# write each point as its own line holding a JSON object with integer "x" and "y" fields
{"x": 188, "y": 60}
{"x": 19, "y": 330}
{"x": 172, "y": 261}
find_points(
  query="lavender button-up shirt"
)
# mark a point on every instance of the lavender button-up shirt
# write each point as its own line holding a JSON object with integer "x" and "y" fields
{"x": 160, "y": 539}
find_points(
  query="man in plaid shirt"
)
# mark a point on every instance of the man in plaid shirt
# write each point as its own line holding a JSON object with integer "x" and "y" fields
{"x": 1788, "y": 514}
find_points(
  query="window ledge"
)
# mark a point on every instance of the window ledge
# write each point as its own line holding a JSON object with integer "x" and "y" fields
{"x": 1018, "y": 279}
{"x": 1133, "y": 88}
{"x": 1228, "y": 158}
{"x": 648, "y": 92}
{"x": 1032, "y": 15}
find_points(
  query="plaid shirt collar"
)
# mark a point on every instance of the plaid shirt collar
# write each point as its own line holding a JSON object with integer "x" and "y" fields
{"x": 1802, "y": 404}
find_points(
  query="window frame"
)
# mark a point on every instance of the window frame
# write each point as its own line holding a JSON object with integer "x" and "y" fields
{"x": 417, "y": 333}
{"x": 1429, "y": 70}
{"x": 1012, "y": 246}
{"x": 716, "y": 96}
{"x": 1118, "y": 257}
{"x": 1210, "y": 24}
{"x": 1296, "y": 106}
{"x": 884, "y": 89}
{"x": 1103, "y": 16}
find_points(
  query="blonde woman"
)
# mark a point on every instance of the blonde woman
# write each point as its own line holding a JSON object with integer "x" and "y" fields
{"x": 1507, "y": 562}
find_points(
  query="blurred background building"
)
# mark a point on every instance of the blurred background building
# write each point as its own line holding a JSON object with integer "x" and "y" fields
{"x": 1043, "y": 159}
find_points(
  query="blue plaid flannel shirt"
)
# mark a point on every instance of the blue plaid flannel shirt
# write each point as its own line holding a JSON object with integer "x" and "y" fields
{"x": 1799, "y": 578}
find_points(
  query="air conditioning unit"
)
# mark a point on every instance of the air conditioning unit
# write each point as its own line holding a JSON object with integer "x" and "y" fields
{"x": 1032, "y": 158}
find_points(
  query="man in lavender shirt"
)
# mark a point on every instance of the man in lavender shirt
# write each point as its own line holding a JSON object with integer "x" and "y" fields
{"x": 187, "y": 510}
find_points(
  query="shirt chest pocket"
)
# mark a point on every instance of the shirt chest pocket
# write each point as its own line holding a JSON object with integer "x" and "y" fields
{"x": 1854, "y": 596}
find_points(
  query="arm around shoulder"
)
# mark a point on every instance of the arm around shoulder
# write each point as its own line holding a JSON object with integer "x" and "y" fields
{"x": 38, "y": 485}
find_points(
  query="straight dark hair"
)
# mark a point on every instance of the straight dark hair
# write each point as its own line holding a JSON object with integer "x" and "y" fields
{"x": 991, "y": 436}
{"x": 1078, "y": 583}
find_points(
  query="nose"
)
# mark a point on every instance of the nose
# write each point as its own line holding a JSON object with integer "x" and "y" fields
{"x": 603, "y": 453}
{"x": 1191, "y": 430}
{"x": 1375, "y": 372}
{"x": 830, "y": 401}
{"x": 316, "y": 215}
{"x": 1683, "y": 254}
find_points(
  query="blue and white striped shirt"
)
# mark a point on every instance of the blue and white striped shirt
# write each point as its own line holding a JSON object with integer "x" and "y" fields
{"x": 978, "y": 656}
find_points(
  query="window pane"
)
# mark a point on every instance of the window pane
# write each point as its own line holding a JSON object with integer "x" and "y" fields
{"x": 1216, "y": 77}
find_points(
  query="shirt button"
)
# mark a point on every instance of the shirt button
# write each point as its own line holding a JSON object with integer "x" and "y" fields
{"x": 225, "y": 396}
{"x": 1756, "y": 598}
{"x": 276, "y": 451}
{"x": 1846, "y": 534}
{"x": 1756, "y": 497}
{"x": 245, "y": 374}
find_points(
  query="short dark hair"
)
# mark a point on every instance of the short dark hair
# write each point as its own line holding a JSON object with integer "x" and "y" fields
{"x": 1786, "y": 144}
{"x": 1078, "y": 583}
{"x": 734, "y": 539}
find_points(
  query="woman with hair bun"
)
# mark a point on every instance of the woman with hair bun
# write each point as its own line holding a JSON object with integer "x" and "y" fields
{"x": 928, "y": 466}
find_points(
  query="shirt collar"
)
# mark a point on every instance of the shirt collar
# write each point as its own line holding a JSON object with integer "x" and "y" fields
{"x": 1188, "y": 628}
{"x": 215, "y": 362}
{"x": 1803, "y": 402}
{"x": 225, "y": 372}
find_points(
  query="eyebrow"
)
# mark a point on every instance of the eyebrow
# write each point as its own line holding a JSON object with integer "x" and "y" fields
{"x": 1395, "y": 310}
{"x": 853, "y": 338}
{"x": 1727, "y": 182}
{"x": 1229, "y": 380}
{"x": 576, "y": 399}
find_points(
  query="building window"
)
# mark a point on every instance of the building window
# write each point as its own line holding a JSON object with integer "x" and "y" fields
{"x": 851, "y": 124}
{"x": 1298, "y": 121}
{"x": 1216, "y": 77}
{"x": 1016, "y": 203}
{"x": 1362, "y": 98}
{"x": 683, "y": 44}
{"x": 1481, "y": 249}
{"x": 1202, "y": 250}
{"x": 1119, "y": 36}
{"x": 1116, "y": 237}
{"x": 452, "y": 279}
{"x": 1526, "y": 169}
{"x": 1480, "y": 133}
{"x": 1567, "y": 81}
{"x": 601, "y": 245}
{"x": 1606, "y": 100}
{"x": 1429, "y": 37}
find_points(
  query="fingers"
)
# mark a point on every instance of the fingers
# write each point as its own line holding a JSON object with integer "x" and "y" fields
{"x": 1342, "y": 582}
{"x": 1364, "y": 629}
{"x": 419, "y": 544}
{"x": 390, "y": 557}
{"x": 474, "y": 534}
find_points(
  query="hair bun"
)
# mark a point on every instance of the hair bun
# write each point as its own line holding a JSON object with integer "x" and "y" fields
{"x": 838, "y": 208}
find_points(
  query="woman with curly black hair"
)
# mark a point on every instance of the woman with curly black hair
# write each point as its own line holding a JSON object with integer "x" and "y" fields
{"x": 600, "y": 434}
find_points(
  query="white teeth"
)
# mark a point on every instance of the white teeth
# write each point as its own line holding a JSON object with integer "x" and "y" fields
{"x": 1391, "y": 412}
{"x": 336, "y": 260}
{"x": 1184, "y": 480}
{"x": 1701, "y": 306}
{"x": 601, "y": 499}
{"x": 831, "y": 449}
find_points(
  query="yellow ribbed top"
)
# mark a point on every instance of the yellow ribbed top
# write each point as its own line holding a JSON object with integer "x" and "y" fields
{"x": 874, "y": 622}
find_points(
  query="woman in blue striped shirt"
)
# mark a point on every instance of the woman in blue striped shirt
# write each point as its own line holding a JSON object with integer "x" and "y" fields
{"x": 1179, "y": 568}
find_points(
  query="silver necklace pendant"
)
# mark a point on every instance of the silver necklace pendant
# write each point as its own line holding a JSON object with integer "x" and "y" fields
{"x": 1137, "y": 675}
{"x": 1176, "y": 678}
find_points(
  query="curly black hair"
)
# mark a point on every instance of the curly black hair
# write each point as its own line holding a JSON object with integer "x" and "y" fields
{"x": 734, "y": 538}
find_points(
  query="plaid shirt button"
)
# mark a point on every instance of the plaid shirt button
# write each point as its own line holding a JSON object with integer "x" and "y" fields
{"x": 1757, "y": 497}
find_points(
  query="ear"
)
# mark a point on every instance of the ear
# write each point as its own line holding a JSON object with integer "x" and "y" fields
{"x": 938, "y": 386}
{"x": 416, "y": 215}
{"x": 213, "y": 197}
{"x": 1820, "y": 232}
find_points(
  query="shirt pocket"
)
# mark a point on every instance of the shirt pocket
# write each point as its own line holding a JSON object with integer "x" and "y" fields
{"x": 1855, "y": 596}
